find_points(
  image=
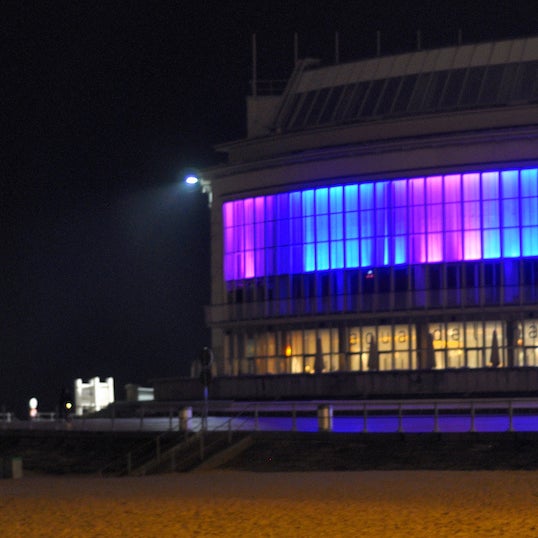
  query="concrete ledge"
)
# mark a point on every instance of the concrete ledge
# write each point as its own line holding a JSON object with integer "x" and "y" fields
{"x": 348, "y": 385}
{"x": 285, "y": 452}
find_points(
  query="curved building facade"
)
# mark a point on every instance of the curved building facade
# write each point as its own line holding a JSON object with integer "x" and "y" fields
{"x": 382, "y": 216}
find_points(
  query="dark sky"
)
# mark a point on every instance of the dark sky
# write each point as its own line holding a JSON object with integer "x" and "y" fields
{"x": 104, "y": 104}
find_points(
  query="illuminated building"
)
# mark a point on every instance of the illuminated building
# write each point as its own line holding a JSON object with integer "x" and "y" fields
{"x": 382, "y": 216}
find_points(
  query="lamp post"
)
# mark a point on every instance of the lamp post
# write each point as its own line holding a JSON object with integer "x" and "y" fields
{"x": 193, "y": 179}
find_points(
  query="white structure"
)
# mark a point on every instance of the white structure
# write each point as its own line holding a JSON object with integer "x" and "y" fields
{"x": 136, "y": 393}
{"x": 94, "y": 395}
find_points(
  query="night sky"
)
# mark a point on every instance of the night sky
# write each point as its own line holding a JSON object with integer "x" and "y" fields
{"x": 105, "y": 266}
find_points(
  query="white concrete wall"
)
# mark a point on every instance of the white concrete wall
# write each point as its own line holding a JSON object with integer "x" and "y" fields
{"x": 94, "y": 395}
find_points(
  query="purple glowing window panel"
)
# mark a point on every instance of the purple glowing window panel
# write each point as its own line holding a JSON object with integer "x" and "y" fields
{"x": 456, "y": 217}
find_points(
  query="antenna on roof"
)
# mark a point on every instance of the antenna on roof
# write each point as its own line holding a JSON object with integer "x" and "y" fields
{"x": 419, "y": 40}
{"x": 336, "y": 48}
{"x": 378, "y": 42}
{"x": 254, "y": 67}
{"x": 295, "y": 48}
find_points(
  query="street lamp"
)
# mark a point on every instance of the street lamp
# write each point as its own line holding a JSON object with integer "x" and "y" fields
{"x": 193, "y": 179}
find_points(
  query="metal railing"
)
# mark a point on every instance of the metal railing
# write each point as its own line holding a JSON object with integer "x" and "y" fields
{"x": 164, "y": 449}
{"x": 355, "y": 416}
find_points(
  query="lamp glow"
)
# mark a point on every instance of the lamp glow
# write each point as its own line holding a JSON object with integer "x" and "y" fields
{"x": 191, "y": 180}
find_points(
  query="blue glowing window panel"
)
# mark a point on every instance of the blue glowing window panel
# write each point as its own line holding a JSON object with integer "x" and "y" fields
{"x": 322, "y": 201}
{"x": 282, "y": 206}
{"x": 382, "y": 217}
{"x": 270, "y": 261}
{"x": 337, "y": 226}
{"x": 492, "y": 244}
{"x": 400, "y": 220}
{"x": 296, "y": 231}
{"x": 366, "y": 196}
{"x": 399, "y": 234}
{"x": 510, "y": 184}
{"x": 283, "y": 233}
{"x": 322, "y": 228}
{"x": 529, "y": 211}
{"x": 382, "y": 251}
{"x": 490, "y": 186}
{"x": 399, "y": 192}
{"x": 309, "y": 230}
{"x": 432, "y": 219}
{"x": 367, "y": 252}
{"x": 336, "y": 199}
{"x": 296, "y": 261}
{"x": 529, "y": 182}
{"x": 351, "y": 228}
{"x": 337, "y": 254}
{"x": 351, "y": 197}
{"x": 510, "y": 212}
{"x": 367, "y": 223}
{"x": 400, "y": 249}
{"x": 382, "y": 231}
{"x": 511, "y": 242}
{"x": 382, "y": 190}
{"x": 471, "y": 215}
{"x": 309, "y": 207}
{"x": 270, "y": 239}
{"x": 491, "y": 214}
{"x": 352, "y": 253}
{"x": 296, "y": 205}
{"x": 530, "y": 241}
{"x": 322, "y": 256}
{"x": 283, "y": 263}
{"x": 310, "y": 257}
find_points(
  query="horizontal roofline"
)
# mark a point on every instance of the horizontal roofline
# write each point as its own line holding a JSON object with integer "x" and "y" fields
{"x": 414, "y": 62}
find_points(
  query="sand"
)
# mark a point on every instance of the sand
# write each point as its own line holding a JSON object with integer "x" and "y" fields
{"x": 244, "y": 504}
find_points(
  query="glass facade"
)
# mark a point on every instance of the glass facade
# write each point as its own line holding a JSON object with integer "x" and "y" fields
{"x": 443, "y": 250}
{"x": 446, "y": 218}
{"x": 412, "y": 346}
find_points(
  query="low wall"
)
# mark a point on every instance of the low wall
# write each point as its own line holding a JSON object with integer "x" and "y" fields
{"x": 427, "y": 383}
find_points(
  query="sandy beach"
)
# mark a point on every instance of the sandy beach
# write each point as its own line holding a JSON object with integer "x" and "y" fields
{"x": 235, "y": 503}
